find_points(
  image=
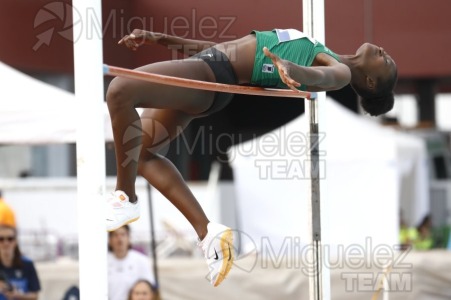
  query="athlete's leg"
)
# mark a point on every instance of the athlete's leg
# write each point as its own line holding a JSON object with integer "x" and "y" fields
{"x": 160, "y": 126}
{"x": 124, "y": 95}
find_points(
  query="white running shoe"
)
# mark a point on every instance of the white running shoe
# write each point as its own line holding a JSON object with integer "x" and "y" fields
{"x": 120, "y": 210}
{"x": 218, "y": 250}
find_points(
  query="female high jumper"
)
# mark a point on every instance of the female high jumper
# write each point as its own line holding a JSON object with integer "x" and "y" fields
{"x": 277, "y": 58}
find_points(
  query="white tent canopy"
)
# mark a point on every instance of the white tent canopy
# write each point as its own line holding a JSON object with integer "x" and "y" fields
{"x": 34, "y": 112}
{"x": 365, "y": 166}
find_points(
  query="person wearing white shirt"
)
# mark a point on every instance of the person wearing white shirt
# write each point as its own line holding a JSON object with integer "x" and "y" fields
{"x": 125, "y": 265}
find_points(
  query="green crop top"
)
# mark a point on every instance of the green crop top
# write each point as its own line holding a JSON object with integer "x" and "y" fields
{"x": 288, "y": 44}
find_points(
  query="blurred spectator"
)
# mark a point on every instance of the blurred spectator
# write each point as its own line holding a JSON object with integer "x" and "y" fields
{"x": 18, "y": 280}
{"x": 143, "y": 290}
{"x": 424, "y": 239}
{"x": 73, "y": 293}
{"x": 407, "y": 235}
{"x": 125, "y": 265}
{"x": 7, "y": 216}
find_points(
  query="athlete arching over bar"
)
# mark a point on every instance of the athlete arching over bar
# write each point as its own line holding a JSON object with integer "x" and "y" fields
{"x": 278, "y": 58}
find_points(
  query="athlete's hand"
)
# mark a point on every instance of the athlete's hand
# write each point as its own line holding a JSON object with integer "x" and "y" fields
{"x": 138, "y": 38}
{"x": 283, "y": 66}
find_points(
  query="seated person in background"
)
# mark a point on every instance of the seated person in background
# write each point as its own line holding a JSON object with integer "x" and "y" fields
{"x": 424, "y": 240}
{"x": 143, "y": 290}
{"x": 407, "y": 235}
{"x": 125, "y": 265}
{"x": 19, "y": 280}
{"x": 7, "y": 215}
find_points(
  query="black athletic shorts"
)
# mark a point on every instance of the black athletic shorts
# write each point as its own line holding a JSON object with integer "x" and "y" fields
{"x": 223, "y": 70}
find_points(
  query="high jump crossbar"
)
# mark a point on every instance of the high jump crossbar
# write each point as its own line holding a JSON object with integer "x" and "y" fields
{"x": 204, "y": 85}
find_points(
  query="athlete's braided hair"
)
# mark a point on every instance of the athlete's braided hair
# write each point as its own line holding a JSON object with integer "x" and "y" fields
{"x": 381, "y": 100}
{"x": 378, "y": 105}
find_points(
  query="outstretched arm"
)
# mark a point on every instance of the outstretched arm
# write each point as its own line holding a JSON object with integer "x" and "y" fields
{"x": 141, "y": 37}
{"x": 322, "y": 78}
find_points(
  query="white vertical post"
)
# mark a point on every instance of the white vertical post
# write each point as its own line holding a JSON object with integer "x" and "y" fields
{"x": 90, "y": 150}
{"x": 319, "y": 275}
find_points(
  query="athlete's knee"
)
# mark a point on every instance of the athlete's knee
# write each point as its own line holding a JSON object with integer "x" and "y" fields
{"x": 118, "y": 94}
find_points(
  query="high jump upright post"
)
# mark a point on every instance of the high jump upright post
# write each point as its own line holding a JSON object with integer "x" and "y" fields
{"x": 319, "y": 275}
{"x": 89, "y": 94}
